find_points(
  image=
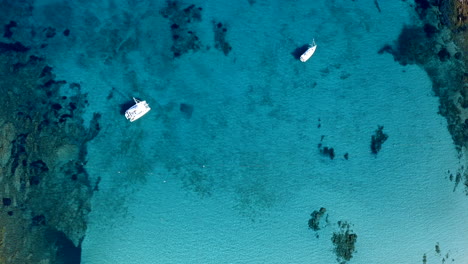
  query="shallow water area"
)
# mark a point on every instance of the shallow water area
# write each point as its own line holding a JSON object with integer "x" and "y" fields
{"x": 235, "y": 179}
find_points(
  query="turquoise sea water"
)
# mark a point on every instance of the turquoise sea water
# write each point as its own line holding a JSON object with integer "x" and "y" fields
{"x": 226, "y": 167}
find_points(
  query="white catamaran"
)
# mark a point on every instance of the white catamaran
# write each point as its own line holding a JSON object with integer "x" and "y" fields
{"x": 138, "y": 110}
{"x": 309, "y": 52}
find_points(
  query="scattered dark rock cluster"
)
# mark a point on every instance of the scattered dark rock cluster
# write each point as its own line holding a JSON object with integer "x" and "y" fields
{"x": 183, "y": 24}
{"x": 458, "y": 177}
{"x": 326, "y": 151}
{"x": 316, "y": 216}
{"x": 441, "y": 257}
{"x": 49, "y": 32}
{"x": 183, "y": 27}
{"x": 221, "y": 44}
{"x": 377, "y": 140}
{"x": 330, "y": 152}
{"x": 344, "y": 241}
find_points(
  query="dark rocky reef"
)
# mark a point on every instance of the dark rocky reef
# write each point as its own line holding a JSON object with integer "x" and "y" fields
{"x": 183, "y": 27}
{"x": 44, "y": 187}
{"x": 326, "y": 151}
{"x": 221, "y": 43}
{"x": 429, "y": 44}
{"x": 458, "y": 176}
{"x": 344, "y": 241}
{"x": 49, "y": 32}
{"x": 413, "y": 46}
{"x": 377, "y": 140}
{"x": 315, "y": 217}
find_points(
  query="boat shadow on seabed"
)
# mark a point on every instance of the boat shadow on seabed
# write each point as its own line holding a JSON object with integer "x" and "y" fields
{"x": 125, "y": 106}
{"x": 299, "y": 51}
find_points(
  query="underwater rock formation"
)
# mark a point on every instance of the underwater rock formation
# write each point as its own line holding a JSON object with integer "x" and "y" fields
{"x": 43, "y": 184}
{"x": 326, "y": 151}
{"x": 437, "y": 43}
{"x": 330, "y": 152}
{"x": 182, "y": 20}
{"x": 377, "y": 140}
{"x": 221, "y": 43}
{"x": 344, "y": 241}
{"x": 314, "y": 221}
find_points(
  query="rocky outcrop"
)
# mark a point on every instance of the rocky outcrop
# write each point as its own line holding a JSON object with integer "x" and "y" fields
{"x": 437, "y": 43}
{"x": 43, "y": 184}
{"x": 221, "y": 43}
{"x": 344, "y": 241}
{"x": 183, "y": 22}
{"x": 315, "y": 217}
{"x": 377, "y": 140}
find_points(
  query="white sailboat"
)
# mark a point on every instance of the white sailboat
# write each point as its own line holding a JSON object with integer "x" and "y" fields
{"x": 309, "y": 52}
{"x": 138, "y": 110}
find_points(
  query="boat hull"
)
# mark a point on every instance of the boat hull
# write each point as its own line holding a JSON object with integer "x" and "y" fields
{"x": 308, "y": 53}
{"x": 137, "y": 111}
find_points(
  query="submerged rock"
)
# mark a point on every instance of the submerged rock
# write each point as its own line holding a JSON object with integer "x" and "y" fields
{"x": 184, "y": 36}
{"x": 314, "y": 221}
{"x": 377, "y": 140}
{"x": 413, "y": 46}
{"x": 330, "y": 152}
{"x": 441, "y": 38}
{"x": 344, "y": 241}
{"x": 221, "y": 43}
{"x": 6, "y": 201}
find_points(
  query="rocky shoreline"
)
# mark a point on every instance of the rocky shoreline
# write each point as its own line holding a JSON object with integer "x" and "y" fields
{"x": 436, "y": 42}
{"x": 44, "y": 187}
